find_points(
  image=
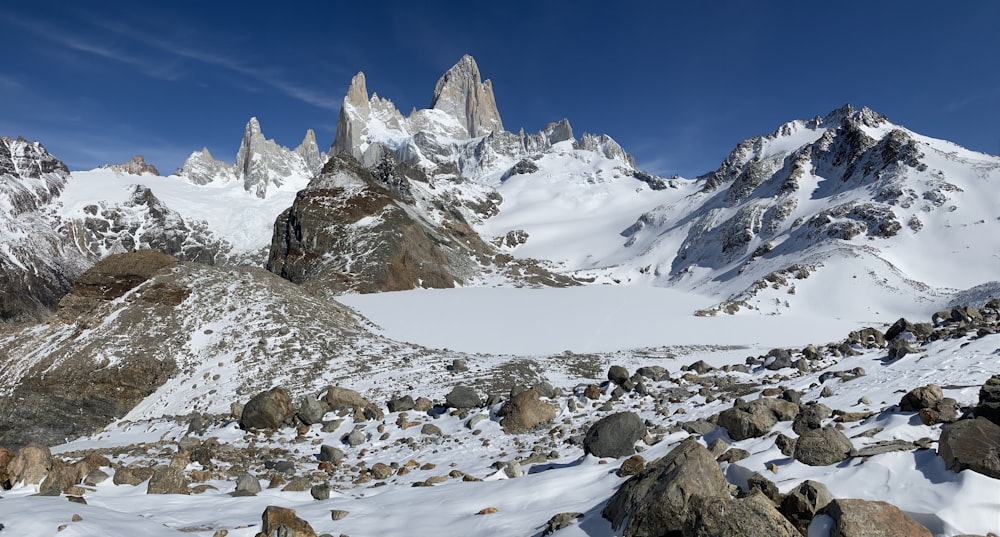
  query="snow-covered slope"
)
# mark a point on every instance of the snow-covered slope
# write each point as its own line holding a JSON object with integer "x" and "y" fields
{"x": 840, "y": 214}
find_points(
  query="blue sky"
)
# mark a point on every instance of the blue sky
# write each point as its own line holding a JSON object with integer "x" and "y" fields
{"x": 677, "y": 84}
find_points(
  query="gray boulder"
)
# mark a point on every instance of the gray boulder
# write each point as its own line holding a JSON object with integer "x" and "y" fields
{"x": 401, "y": 404}
{"x": 658, "y": 500}
{"x": 778, "y": 359}
{"x": 246, "y": 485}
{"x": 267, "y": 410}
{"x": 989, "y": 400}
{"x": 347, "y": 400}
{"x": 311, "y": 410}
{"x": 802, "y": 503}
{"x": 822, "y": 447}
{"x": 332, "y": 454}
{"x": 750, "y": 420}
{"x": 614, "y": 435}
{"x": 463, "y": 397}
{"x": 811, "y": 417}
{"x": 752, "y": 516}
{"x": 863, "y": 518}
{"x": 618, "y": 374}
{"x": 971, "y": 444}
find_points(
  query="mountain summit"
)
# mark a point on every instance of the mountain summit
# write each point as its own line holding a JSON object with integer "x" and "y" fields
{"x": 462, "y": 94}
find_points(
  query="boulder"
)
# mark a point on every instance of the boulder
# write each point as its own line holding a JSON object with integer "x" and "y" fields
{"x": 167, "y": 480}
{"x": 752, "y": 516}
{"x": 989, "y": 400}
{"x": 802, "y": 503}
{"x": 614, "y": 435}
{"x": 311, "y": 410}
{"x": 971, "y": 444}
{"x": 777, "y": 359}
{"x": 30, "y": 466}
{"x": 282, "y": 521}
{"x": 401, "y": 404}
{"x": 750, "y": 420}
{"x": 60, "y": 478}
{"x": 463, "y": 397}
{"x": 618, "y": 374}
{"x": 822, "y": 447}
{"x": 920, "y": 398}
{"x": 811, "y": 417}
{"x": 945, "y": 410}
{"x": 267, "y": 410}
{"x": 246, "y": 485}
{"x": 524, "y": 412}
{"x": 863, "y": 518}
{"x": 657, "y": 501}
{"x": 337, "y": 398}
{"x": 6, "y": 456}
{"x": 759, "y": 483}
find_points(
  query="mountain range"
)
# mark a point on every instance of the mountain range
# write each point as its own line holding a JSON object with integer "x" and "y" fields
{"x": 127, "y": 295}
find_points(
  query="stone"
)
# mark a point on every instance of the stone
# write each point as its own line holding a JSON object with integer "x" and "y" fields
{"x": 757, "y": 482}
{"x": 785, "y": 444}
{"x": 920, "y": 398}
{"x": 756, "y": 418}
{"x": 246, "y": 485}
{"x": 60, "y": 478}
{"x": 732, "y": 455}
{"x": 972, "y": 444}
{"x": 863, "y": 518}
{"x": 332, "y": 454}
{"x": 658, "y": 501}
{"x": 653, "y": 372}
{"x": 284, "y": 523}
{"x": 701, "y": 367}
{"x": 131, "y": 476}
{"x": 777, "y": 359}
{"x": 802, "y": 503}
{"x": 167, "y": 480}
{"x": 945, "y": 410}
{"x": 95, "y": 477}
{"x": 267, "y": 410}
{"x": 822, "y": 447}
{"x": 311, "y": 410}
{"x": 618, "y": 374}
{"x": 811, "y": 416}
{"x": 698, "y": 426}
{"x": 337, "y": 398}
{"x": 430, "y": 429}
{"x": 338, "y": 514}
{"x": 459, "y": 365}
{"x": 524, "y": 412}
{"x": 631, "y": 466}
{"x": 752, "y": 516}
{"x": 401, "y": 404}
{"x": 355, "y": 438}
{"x": 463, "y": 397}
{"x": 476, "y": 420}
{"x": 320, "y": 491}
{"x": 380, "y": 471}
{"x": 545, "y": 389}
{"x": 900, "y": 348}
{"x": 989, "y": 400}
{"x": 614, "y": 435}
{"x": 30, "y": 466}
{"x": 592, "y": 392}
{"x": 560, "y": 521}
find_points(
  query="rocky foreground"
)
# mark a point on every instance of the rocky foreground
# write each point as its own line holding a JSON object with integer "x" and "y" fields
{"x": 758, "y": 448}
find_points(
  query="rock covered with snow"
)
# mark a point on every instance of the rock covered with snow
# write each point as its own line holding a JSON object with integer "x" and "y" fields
{"x": 136, "y": 166}
{"x": 462, "y": 94}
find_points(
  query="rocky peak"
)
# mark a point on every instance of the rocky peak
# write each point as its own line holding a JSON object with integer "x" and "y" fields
{"x": 202, "y": 168}
{"x": 136, "y": 166}
{"x": 606, "y": 146}
{"x": 28, "y": 159}
{"x": 354, "y": 112}
{"x": 865, "y": 116}
{"x": 462, "y": 94}
{"x": 257, "y": 158}
{"x": 309, "y": 151}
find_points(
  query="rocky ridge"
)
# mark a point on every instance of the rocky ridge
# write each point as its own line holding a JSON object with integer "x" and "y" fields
{"x": 136, "y": 166}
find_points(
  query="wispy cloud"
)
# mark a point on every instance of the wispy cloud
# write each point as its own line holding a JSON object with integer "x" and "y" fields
{"x": 956, "y": 105}
{"x": 271, "y": 77}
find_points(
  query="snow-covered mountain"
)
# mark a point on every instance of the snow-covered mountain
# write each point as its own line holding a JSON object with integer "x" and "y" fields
{"x": 848, "y": 201}
{"x": 261, "y": 164}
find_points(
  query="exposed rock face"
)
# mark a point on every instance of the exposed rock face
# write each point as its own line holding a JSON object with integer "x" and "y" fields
{"x": 30, "y": 466}
{"x": 136, "y": 166}
{"x": 38, "y": 405}
{"x": 989, "y": 400}
{"x": 349, "y": 231}
{"x": 862, "y": 518}
{"x": 143, "y": 222}
{"x": 282, "y": 521}
{"x": 37, "y": 264}
{"x": 462, "y": 94}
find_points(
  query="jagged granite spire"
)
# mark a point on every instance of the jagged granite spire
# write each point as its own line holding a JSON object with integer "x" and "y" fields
{"x": 309, "y": 151}
{"x": 462, "y": 94}
{"x": 354, "y": 114}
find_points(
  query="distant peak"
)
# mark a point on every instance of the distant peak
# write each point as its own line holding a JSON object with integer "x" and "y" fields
{"x": 136, "y": 166}
{"x": 462, "y": 94}
{"x": 865, "y": 116}
{"x": 357, "y": 93}
{"x": 253, "y": 125}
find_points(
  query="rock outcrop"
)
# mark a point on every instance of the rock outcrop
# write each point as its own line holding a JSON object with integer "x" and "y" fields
{"x": 136, "y": 166}
{"x": 462, "y": 94}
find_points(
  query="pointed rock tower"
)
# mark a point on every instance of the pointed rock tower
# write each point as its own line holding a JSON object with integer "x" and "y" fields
{"x": 462, "y": 94}
{"x": 354, "y": 114}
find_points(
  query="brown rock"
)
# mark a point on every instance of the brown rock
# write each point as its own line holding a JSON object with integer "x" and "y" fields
{"x": 822, "y": 447}
{"x": 752, "y": 516}
{"x": 802, "y": 503}
{"x": 863, "y": 518}
{"x": 524, "y": 412}
{"x": 60, "y": 478}
{"x": 131, "y": 476}
{"x": 167, "y": 480}
{"x": 632, "y": 466}
{"x": 338, "y": 398}
{"x": 922, "y": 397}
{"x": 268, "y": 410}
{"x": 31, "y": 464}
{"x": 282, "y": 521}
{"x": 592, "y": 392}
{"x": 971, "y": 444}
